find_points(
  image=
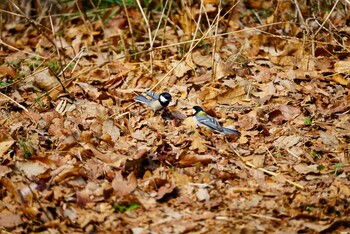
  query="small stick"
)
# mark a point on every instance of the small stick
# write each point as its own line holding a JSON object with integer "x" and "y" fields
{"x": 293, "y": 154}
{"x": 14, "y": 102}
{"x": 271, "y": 155}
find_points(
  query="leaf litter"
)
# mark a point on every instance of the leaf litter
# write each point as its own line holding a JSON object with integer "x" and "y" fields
{"x": 86, "y": 158}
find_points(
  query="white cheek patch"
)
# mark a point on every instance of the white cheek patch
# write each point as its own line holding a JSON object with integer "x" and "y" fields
{"x": 163, "y": 99}
{"x": 194, "y": 111}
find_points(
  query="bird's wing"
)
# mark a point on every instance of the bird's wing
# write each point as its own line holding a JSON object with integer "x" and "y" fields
{"x": 143, "y": 99}
{"x": 152, "y": 95}
{"x": 210, "y": 122}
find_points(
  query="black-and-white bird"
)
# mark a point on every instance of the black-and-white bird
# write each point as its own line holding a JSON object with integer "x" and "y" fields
{"x": 157, "y": 102}
{"x": 203, "y": 119}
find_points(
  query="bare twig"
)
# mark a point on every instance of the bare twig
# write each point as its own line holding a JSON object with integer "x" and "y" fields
{"x": 19, "y": 105}
{"x": 149, "y": 35}
{"x": 271, "y": 155}
{"x": 33, "y": 23}
{"x": 324, "y": 22}
{"x": 293, "y": 154}
{"x": 215, "y": 40}
{"x": 197, "y": 26}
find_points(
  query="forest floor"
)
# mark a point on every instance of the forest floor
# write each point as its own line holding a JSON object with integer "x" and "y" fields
{"x": 79, "y": 155}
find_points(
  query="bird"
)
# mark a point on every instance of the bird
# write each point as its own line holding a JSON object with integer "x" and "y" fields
{"x": 157, "y": 102}
{"x": 202, "y": 119}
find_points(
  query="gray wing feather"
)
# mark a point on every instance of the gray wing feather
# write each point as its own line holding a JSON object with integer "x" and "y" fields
{"x": 210, "y": 122}
{"x": 152, "y": 95}
{"x": 143, "y": 99}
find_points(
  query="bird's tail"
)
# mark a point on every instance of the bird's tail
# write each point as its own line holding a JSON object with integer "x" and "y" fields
{"x": 143, "y": 99}
{"x": 231, "y": 131}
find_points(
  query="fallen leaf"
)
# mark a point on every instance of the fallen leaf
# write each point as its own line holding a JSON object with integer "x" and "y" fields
{"x": 306, "y": 169}
{"x": 165, "y": 190}
{"x": 341, "y": 105}
{"x": 66, "y": 171}
{"x": 10, "y": 220}
{"x": 289, "y": 112}
{"x": 198, "y": 143}
{"x": 276, "y": 117}
{"x": 45, "y": 81}
{"x": 4, "y": 170}
{"x": 5, "y": 146}
{"x": 338, "y": 78}
{"x": 181, "y": 68}
{"x": 124, "y": 187}
{"x": 231, "y": 96}
{"x": 31, "y": 169}
{"x": 202, "y": 194}
{"x": 98, "y": 154}
{"x": 342, "y": 67}
{"x": 109, "y": 128}
{"x": 286, "y": 141}
{"x": 189, "y": 160}
{"x": 201, "y": 60}
{"x": 92, "y": 91}
{"x": 329, "y": 139}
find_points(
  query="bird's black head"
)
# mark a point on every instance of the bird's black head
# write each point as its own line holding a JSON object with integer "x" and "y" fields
{"x": 197, "y": 109}
{"x": 164, "y": 99}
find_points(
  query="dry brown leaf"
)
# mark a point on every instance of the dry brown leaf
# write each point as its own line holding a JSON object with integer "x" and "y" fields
{"x": 202, "y": 194}
{"x": 31, "y": 168}
{"x": 181, "y": 68}
{"x": 286, "y": 141}
{"x": 124, "y": 187}
{"x": 267, "y": 90}
{"x": 67, "y": 143}
{"x": 276, "y": 117}
{"x": 329, "y": 139}
{"x": 306, "y": 169}
{"x": 103, "y": 157}
{"x": 198, "y": 143}
{"x": 109, "y": 128}
{"x": 10, "y": 220}
{"x": 11, "y": 188}
{"x": 222, "y": 70}
{"x": 92, "y": 91}
{"x": 45, "y": 81}
{"x": 83, "y": 197}
{"x": 190, "y": 160}
{"x": 341, "y": 105}
{"x": 339, "y": 79}
{"x": 5, "y": 146}
{"x": 7, "y": 71}
{"x": 342, "y": 67}
{"x": 231, "y": 96}
{"x": 208, "y": 93}
{"x": 201, "y": 60}
{"x": 66, "y": 171}
{"x": 289, "y": 112}
{"x": 4, "y": 170}
{"x": 180, "y": 179}
{"x": 165, "y": 190}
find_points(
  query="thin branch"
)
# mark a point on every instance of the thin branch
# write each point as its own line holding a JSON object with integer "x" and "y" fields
{"x": 19, "y": 105}
{"x": 149, "y": 35}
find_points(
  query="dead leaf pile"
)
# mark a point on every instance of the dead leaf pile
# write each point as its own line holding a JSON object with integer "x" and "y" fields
{"x": 79, "y": 155}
